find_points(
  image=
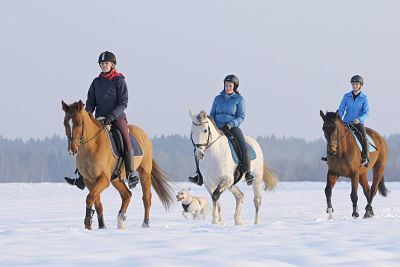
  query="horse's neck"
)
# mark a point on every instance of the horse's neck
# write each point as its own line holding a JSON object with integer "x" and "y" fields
{"x": 92, "y": 134}
{"x": 218, "y": 138}
{"x": 345, "y": 147}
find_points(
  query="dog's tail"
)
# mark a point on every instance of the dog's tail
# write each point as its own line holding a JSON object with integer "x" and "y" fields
{"x": 270, "y": 178}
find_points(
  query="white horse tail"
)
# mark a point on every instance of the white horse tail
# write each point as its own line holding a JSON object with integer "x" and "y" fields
{"x": 270, "y": 178}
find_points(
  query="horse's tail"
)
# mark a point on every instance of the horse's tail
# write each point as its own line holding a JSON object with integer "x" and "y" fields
{"x": 270, "y": 178}
{"x": 382, "y": 188}
{"x": 159, "y": 181}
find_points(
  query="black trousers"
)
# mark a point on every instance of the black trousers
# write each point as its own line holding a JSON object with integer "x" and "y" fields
{"x": 238, "y": 134}
{"x": 362, "y": 136}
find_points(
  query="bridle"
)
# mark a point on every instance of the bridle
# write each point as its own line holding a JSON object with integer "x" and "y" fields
{"x": 207, "y": 144}
{"x": 81, "y": 140}
{"x": 339, "y": 138}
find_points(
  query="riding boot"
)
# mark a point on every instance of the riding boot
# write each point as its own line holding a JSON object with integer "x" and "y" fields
{"x": 78, "y": 182}
{"x": 196, "y": 178}
{"x": 133, "y": 179}
{"x": 246, "y": 166}
{"x": 365, "y": 149}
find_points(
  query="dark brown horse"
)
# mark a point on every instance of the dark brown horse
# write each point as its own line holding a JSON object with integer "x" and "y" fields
{"x": 88, "y": 139}
{"x": 344, "y": 158}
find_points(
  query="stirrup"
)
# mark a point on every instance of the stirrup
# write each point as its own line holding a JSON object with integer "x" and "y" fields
{"x": 195, "y": 178}
{"x": 78, "y": 182}
{"x": 364, "y": 161}
{"x": 133, "y": 180}
{"x": 249, "y": 177}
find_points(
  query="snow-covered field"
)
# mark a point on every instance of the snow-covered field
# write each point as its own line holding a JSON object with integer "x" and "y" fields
{"x": 42, "y": 225}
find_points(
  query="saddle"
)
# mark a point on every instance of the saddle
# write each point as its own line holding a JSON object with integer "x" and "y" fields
{"x": 118, "y": 148}
{"x": 358, "y": 137}
{"x": 237, "y": 155}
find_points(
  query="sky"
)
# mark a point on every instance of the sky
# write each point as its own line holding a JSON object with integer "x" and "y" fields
{"x": 293, "y": 59}
{"x": 294, "y": 229}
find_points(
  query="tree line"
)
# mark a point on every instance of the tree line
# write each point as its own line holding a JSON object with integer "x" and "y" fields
{"x": 293, "y": 159}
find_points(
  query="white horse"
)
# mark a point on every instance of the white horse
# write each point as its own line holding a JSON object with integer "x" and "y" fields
{"x": 217, "y": 166}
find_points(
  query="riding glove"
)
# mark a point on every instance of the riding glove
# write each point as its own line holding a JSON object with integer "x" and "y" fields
{"x": 109, "y": 119}
{"x": 226, "y": 127}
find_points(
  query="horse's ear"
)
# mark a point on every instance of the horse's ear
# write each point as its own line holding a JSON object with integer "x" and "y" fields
{"x": 80, "y": 106}
{"x": 321, "y": 113}
{"x": 65, "y": 106}
{"x": 337, "y": 114}
{"x": 192, "y": 116}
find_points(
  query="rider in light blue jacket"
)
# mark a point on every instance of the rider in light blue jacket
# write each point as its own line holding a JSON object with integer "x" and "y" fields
{"x": 355, "y": 109}
{"x": 228, "y": 109}
{"x": 228, "y": 113}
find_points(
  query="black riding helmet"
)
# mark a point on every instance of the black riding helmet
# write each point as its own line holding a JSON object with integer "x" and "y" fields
{"x": 357, "y": 79}
{"x": 107, "y": 56}
{"x": 232, "y": 78}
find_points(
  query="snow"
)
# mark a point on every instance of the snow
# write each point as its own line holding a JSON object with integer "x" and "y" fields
{"x": 42, "y": 225}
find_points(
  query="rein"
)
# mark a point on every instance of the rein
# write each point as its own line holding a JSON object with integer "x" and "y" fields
{"x": 81, "y": 139}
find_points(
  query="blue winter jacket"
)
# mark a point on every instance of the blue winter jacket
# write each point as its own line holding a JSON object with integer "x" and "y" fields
{"x": 354, "y": 109}
{"x": 228, "y": 109}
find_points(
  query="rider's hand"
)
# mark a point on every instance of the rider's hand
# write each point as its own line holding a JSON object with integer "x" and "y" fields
{"x": 226, "y": 127}
{"x": 356, "y": 121}
{"x": 109, "y": 119}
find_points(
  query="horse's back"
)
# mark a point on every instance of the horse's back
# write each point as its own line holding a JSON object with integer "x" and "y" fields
{"x": 256, "y": 146}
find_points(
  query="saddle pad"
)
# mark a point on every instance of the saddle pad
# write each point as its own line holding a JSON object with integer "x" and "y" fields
{"x": 370, "y": 141}
{"x": 137, "y": 149}
{"x": 250, "y": 150}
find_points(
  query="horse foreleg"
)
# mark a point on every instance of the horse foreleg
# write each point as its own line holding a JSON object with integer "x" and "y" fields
{"x": 126, "y": 195}
{"x": 330, "y": 183}
{"x": 354, "y": 195}
{"x": 146, "y": 190}
{"x": 94, "y": 194}
{"x": 239, "y": 203}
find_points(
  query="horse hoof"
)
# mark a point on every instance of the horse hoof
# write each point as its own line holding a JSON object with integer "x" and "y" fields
{"x": 355, "y": 215}
{"x": 145, "y": 225}
{"x": 102, "y": 227}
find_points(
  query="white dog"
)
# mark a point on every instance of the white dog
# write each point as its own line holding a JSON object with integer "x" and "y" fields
{"x": 197, "y": 206}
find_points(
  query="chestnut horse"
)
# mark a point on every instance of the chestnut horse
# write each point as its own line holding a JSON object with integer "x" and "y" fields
{"x": 344, "y": 158}
{"x": 88, "y": 139}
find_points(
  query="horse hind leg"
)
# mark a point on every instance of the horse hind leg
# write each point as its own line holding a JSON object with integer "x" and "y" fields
{"x": 378, "y": 183}
{"x": 257, "y": 201}
{"x": 239, "y": 203}
{"x": 146, "y": 190}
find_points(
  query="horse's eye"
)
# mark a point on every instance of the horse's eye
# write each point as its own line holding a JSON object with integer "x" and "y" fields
{"x": 205, "y": 130}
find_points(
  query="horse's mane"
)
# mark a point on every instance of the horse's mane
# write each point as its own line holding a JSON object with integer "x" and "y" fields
{"x": 331, "y": 117}
{"x": 215, "y": 125}
{"x": 94, "y": 119}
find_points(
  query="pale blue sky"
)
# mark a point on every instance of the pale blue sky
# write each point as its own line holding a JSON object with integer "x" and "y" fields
{"x": 293, "y": 58}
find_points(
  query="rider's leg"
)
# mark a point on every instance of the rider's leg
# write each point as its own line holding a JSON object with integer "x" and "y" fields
{"x": 364, "y": 143}
{"x": 196, "y": 178}
{"x": 245, "y": 159}
{"x": 122, "y": 125}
